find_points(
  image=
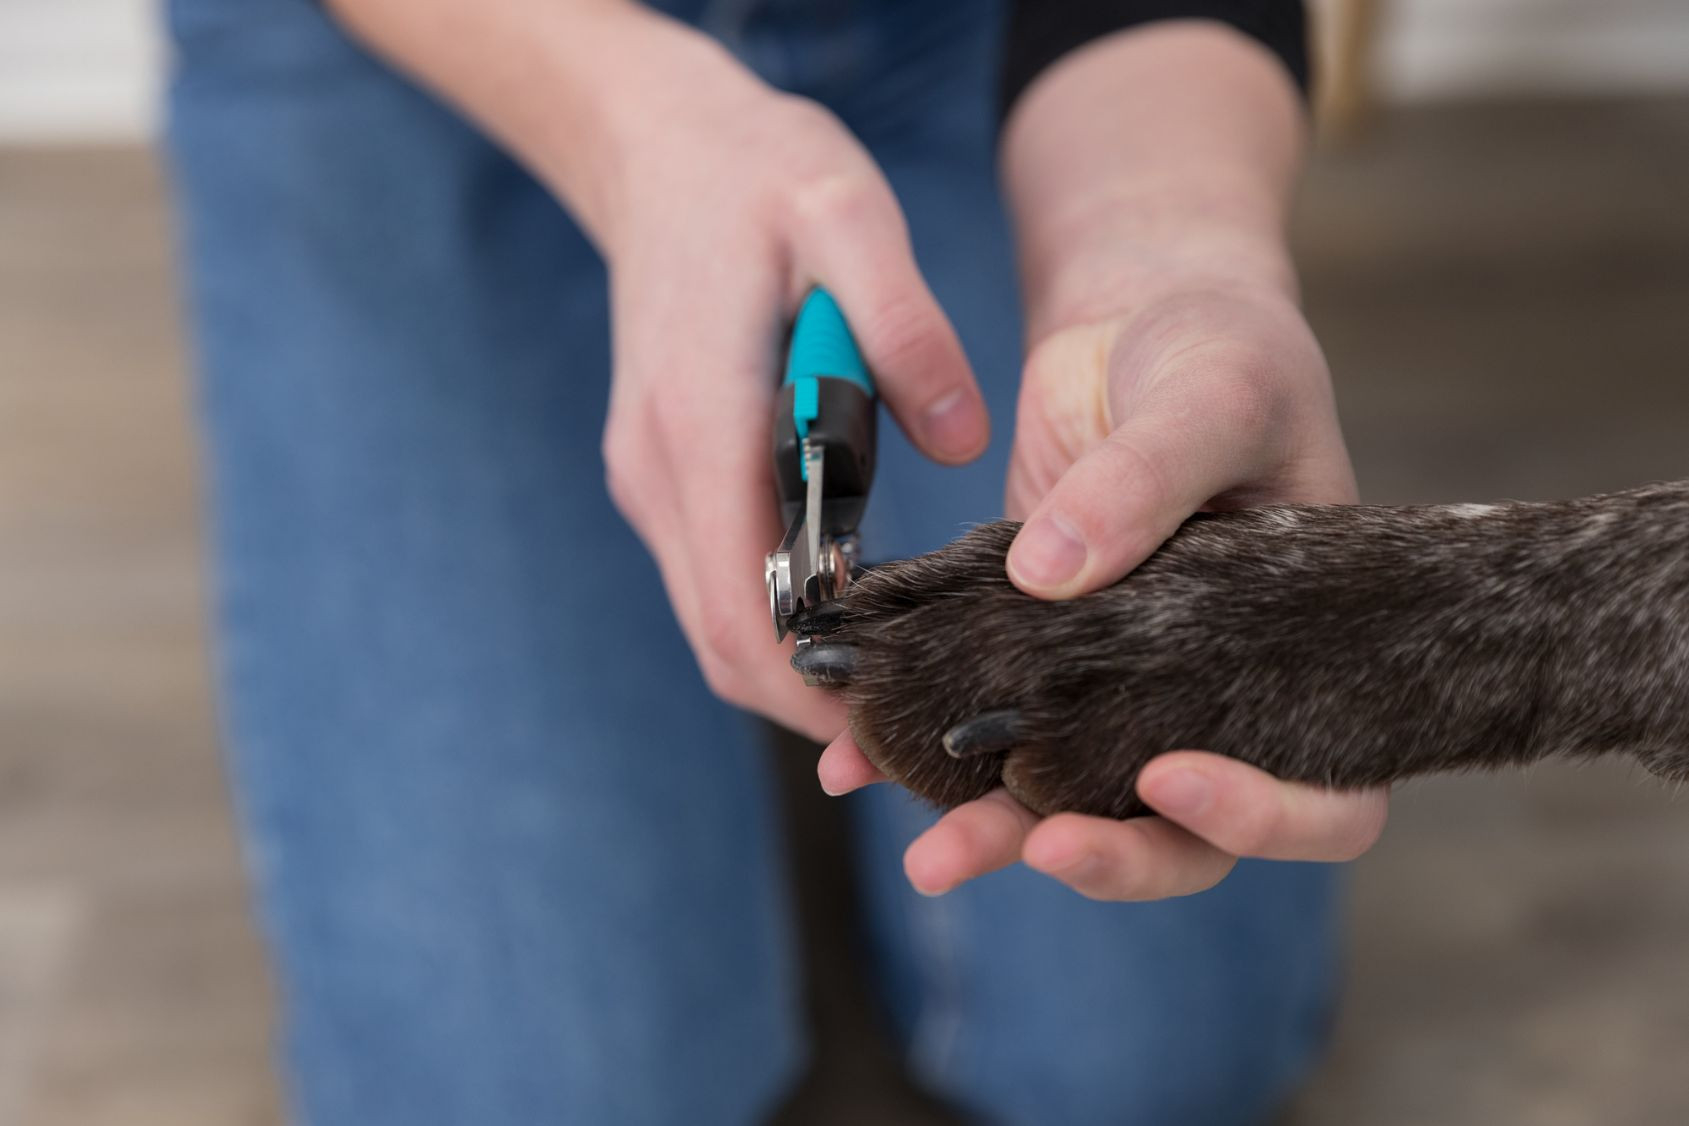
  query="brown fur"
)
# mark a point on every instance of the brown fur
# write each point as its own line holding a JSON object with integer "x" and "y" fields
{"x": 1343, "y": 646}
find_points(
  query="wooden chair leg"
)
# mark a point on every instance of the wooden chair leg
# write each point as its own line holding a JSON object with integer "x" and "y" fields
{"x": 1346, "y": 31}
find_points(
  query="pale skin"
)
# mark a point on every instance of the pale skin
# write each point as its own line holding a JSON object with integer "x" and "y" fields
{"x": 1170, "y": 370}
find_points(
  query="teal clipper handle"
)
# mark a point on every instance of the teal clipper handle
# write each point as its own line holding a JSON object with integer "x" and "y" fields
{"x": 822, "y": 346}
{"x": 827, "y": 397}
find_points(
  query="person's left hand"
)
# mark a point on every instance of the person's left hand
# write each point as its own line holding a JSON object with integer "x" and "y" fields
{"x": 1204, "y": 398}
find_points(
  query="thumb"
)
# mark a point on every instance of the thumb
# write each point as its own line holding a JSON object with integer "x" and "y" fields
{"x": 861, "y": 253}
{"x": 1121, "y": 499}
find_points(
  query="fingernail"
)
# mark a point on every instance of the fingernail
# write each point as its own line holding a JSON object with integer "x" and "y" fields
{"x": 1183, "y": 793}
{"x": 951, "y": 425}
{"x": 1048, "y": 552}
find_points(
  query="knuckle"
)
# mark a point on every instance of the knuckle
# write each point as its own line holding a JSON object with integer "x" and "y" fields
{"x": 798, "y": 116}
{"x": 1254, "y": 830}
{"x": 835, "y": 201}
{"x": 621, "y": 450}
{"x": 1114, "y": 885}
{"x": 721, "y": 653}
{"x": 672, "y": 421}
{"x": 1254, "y": 391}
{"x": 1248, "y": 384}
{"x": 904, "y": 336}
{"x": 971, "y": 831}
{"x": 723, "y": 682}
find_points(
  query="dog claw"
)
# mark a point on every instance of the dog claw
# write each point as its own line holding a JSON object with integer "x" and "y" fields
{"x": 831, "y": 665}
{"x": 987, "y": 734}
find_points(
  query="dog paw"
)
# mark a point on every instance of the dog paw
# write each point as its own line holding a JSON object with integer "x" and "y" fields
{"x": 959, "y": 683}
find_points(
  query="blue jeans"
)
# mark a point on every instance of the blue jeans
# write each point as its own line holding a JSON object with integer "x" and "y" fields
{"x": 516, "y": 865}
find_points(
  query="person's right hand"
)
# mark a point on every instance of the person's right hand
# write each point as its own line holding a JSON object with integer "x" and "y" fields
{"x": 718, "y": 203}
{"x": 728, "y": 202}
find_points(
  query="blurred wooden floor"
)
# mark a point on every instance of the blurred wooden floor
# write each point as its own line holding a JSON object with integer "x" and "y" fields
{"x": 1504, "y": 293}
{"x": 131, "y": 988}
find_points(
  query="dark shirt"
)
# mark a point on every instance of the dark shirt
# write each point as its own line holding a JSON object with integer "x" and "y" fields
{"x": 1042, "y": 31}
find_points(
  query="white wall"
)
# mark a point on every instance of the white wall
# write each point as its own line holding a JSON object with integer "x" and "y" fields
{"x": 90, "y": 69}
{"x": 1448, "y": 48}
{"x": 75, "y": 70}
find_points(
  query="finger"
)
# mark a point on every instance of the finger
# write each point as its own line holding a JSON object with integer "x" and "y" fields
{"x": 969, "y": 841}
{"x": 843, "y": 767}
{"x": 854, "y": 241}
{"x": 1141, "y": 859}
{"x": 1248, "y": 812}
{"x": 634, "y": 460}
{"x": 711, "y": 426}
{"x": 749, "y": 669}
{"x": 1118, "y": 502}
{"x": 810, "y": 712}
{"x": 1062, "y": 411}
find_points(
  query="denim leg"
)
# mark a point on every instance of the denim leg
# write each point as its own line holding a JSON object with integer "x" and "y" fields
{"x": 1023, "y": 1002}
{"x": 1019, "y": 1000}
{"x": 516, "y": 865}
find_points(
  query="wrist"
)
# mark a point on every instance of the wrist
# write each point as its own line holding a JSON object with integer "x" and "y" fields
{"x": 640, "y": 88}
{"x": 1133, "y": 256}
{"x": 1155, "y": 160}
{"x": 573, "y": 90}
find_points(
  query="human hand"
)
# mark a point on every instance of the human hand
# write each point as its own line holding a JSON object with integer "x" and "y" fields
{"x": 718, "y": 203}
{"x": 732, "y": 201}
{"x": 1202, "y": 397}
{"x": 1213, "y": 811}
